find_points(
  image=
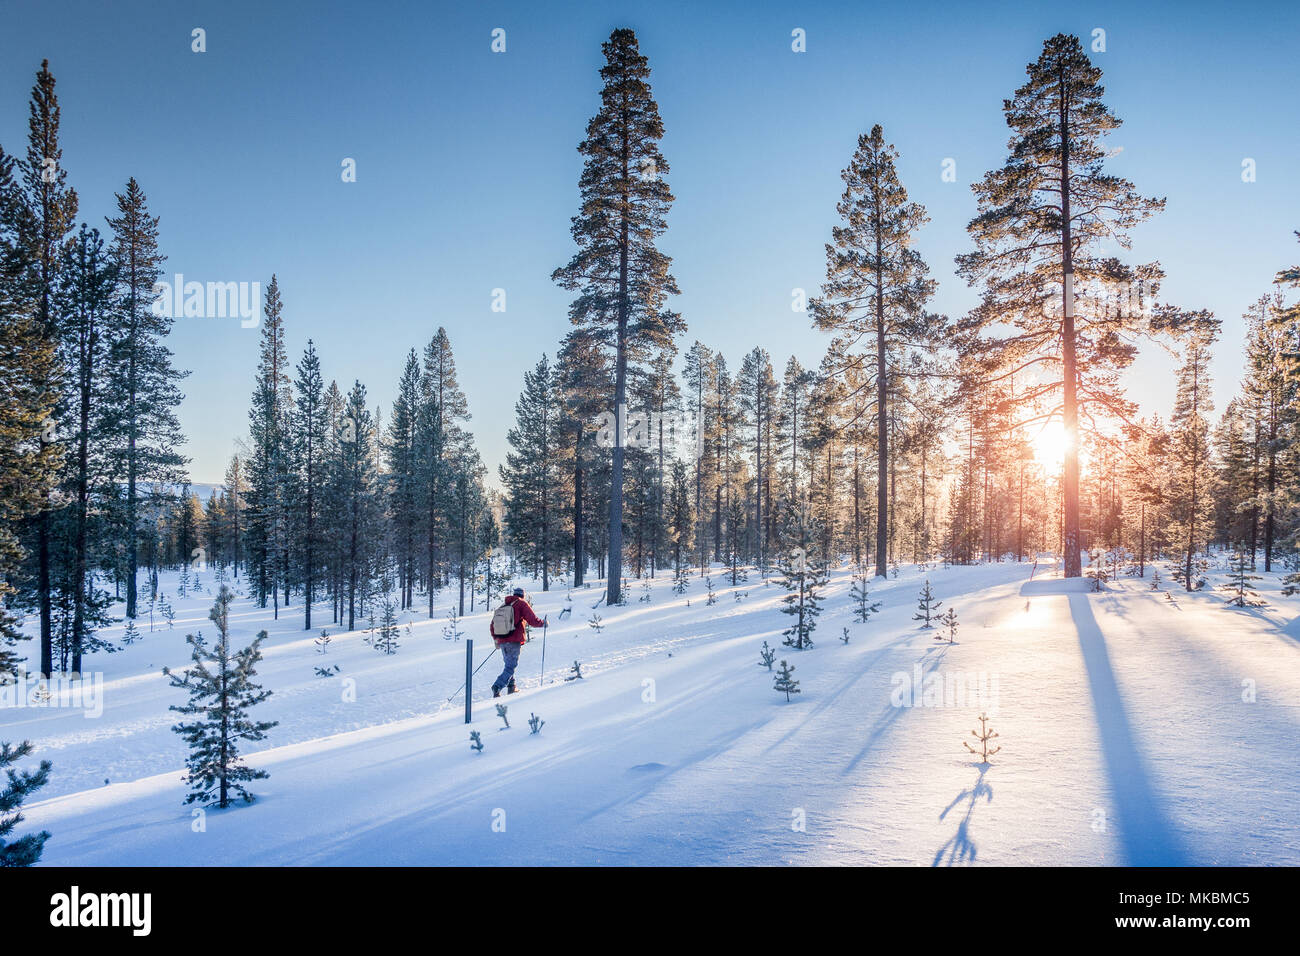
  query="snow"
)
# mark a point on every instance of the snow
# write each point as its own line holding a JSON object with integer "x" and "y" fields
{"x": 1129, "y": 734}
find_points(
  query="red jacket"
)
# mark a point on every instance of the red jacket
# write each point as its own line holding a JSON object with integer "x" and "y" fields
{"x": 524, "y": 616}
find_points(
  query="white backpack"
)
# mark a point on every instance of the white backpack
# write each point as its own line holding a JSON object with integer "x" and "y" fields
{"x": 503, "y": 620}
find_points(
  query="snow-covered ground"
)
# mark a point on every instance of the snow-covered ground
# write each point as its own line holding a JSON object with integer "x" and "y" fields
{"x": 1135, "y": 729}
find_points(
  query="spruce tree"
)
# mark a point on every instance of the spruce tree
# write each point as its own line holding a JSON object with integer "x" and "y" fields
{"x": 620, "y": 276}
{"x": 222, "y": 690}
{"x": 20, "y": 784}
{"x": 1042, "y": 218}
{"x": 875, "y": 293}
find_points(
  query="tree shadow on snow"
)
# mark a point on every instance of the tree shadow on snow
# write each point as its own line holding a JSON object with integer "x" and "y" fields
{"x": 960, "y": 848}
{"x": 1145, "y": 833}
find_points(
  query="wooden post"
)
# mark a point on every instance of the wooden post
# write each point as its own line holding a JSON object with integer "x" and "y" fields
{"x": 469, "y": 677}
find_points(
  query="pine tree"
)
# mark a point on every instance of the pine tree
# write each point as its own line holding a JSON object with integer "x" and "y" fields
{"x": 804, "y": 579}
{"x": 927, "y": 606}
{"x": 1042, "y": 217}
{"x": 863, "y": 606}
{"x": 355, "y": 475}
{"x": 50, "y": 212}
{"x": 984, "y": 735}
{"x": 766, "y": 656}
{"x": 221, "y": 688}
{"x": 88, "y": 305}
{"x": 307, "y": 441}
{"x": 269, "y": 458}
{"x": 949, "y": 622}
{"x": 758, "y": 397}
{"x": 785, "y": 682}
{"x": 876, "y": 289}
{"x": 621, "y": 277}
{"x": 440, "y": 440}
{"x": 142, "y": 382}
{"x": 403, "y": 452}
{"x": 27, "y": 364}
{"x": 535, "y": 495}
{"x": 1190, "y": 448}
{"x": 20, "y": 784}
{"x": 1240, "y": 582}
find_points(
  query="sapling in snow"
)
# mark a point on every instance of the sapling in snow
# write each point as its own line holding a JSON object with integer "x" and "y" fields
{"x": 323, "y": 642}
{"x": 949, "y": 622}
{"x": 475, "y": 742}
{"x": 983, "y": 735}
{"x": 863, "y": 606}
{"x": 713, "y": 597}
{"x": 535, "y": 724}
{"x": 927, "y": 607}
{"x": 327, "y": 671}
{"x": 595, "y": 623}
{"x": 785, "y": 681}
{"x": 844, "y": 636}
{"x": 1239, "y": 583}
{"x": 221, "y": 692}
{"x": 501, "y": 712}
{"x": 131, "y": 634}
{"x": 767, "y": 655}
{"x": 804, "y": 580}
{"x": 575, "y": 672}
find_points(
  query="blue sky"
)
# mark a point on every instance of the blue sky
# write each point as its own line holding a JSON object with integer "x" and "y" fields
{"x": 467, "y": 168}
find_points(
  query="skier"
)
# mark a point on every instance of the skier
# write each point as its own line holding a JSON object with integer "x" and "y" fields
{"x": 510, "y": 623}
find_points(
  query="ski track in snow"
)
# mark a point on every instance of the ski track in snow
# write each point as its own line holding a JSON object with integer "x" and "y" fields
{"x": 1126, "y": 738}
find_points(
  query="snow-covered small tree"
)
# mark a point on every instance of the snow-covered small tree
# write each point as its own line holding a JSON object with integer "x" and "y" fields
{"x": 927, "y": 606}
{"x": 535, "y": 724}
{"x": 19, "y": 785}
{"x": 785, "y": 681}
{"x": 595, "y": 622}
{"x": 766, "y": 656}
{"x": 1155, "y": 579}
{"x": 501, "y": 712}
{"x": 475, "y": 742}
{"x": 575, "y": 672}
{"x": 131, "y": 634}
{"x": 221, "y": 692}
{"x": 323, "y": 642}
{"x": 708, "y": 583}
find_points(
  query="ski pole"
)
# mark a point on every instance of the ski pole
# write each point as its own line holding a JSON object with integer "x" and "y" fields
{"x": 545, "y": 620}
{"x": 476, "y": 670}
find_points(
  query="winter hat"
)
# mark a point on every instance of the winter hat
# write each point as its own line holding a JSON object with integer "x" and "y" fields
{"x": 519, "y": 592}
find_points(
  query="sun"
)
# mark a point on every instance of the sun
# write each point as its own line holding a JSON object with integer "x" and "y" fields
{"x": 1049, "y": 444}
